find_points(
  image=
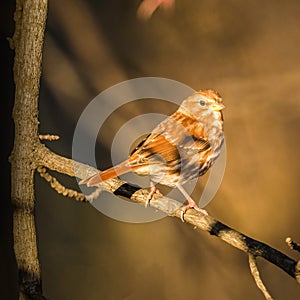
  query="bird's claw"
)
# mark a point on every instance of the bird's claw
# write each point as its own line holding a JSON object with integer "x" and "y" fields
{"x": 147, "y": 203}
{"x": 193, "y": 205}
{"x": 182, "y": 215}
{"x": 153, "y": 190}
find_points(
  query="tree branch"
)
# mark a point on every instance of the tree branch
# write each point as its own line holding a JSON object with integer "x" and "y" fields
{"x": 171, "y": 207}
{"x": 30, "y": 19}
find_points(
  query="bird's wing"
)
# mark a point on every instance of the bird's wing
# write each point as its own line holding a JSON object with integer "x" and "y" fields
{"x": 154, "y": 147}
{"x": 162, "y": 146}
{"x": 198, "y": 144}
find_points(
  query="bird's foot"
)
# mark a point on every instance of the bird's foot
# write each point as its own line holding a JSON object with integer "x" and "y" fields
{"x": 191, "y": 204}
{"x": 153, "y": 190}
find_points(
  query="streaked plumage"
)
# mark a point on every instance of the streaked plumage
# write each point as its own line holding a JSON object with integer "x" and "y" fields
{"x": 182, "y": 147}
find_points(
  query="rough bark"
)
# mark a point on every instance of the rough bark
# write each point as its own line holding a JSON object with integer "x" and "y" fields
{"x": 30, "y": 19}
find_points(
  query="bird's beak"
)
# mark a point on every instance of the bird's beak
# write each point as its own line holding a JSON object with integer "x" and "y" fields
{"x": 217, "y": 106}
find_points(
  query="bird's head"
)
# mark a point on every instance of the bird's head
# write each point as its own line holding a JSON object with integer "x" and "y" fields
{"x": 203, "y": 102}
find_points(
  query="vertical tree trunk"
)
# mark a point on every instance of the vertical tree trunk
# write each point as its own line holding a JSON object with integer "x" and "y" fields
{"x": 30, "y": 18}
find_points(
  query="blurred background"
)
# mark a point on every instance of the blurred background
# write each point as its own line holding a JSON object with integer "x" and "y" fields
{"x": 246, "y": 50}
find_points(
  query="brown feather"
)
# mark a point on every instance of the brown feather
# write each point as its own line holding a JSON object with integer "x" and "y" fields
{"x": 110, "y": 173}
{"x": 180, "y": 148}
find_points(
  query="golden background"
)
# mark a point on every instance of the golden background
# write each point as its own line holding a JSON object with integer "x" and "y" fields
{"x": 246, "y": 50}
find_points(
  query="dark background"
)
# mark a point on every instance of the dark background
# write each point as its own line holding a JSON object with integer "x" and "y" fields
{"x": 249, "y": 52}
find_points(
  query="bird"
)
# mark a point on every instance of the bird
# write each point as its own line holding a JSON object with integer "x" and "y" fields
{"x": 182, "y": 147}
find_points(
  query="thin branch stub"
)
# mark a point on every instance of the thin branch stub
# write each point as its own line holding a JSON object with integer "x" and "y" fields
{"x": 49, "y": 137}
{"x": 293, "y": 245}
{"x": 255, "y": 273}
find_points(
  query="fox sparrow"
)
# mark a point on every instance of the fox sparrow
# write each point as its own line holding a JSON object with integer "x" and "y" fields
{"x": 181, "y": 148}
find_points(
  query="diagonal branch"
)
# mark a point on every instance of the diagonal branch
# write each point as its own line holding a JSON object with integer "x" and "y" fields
{"x": 171, "y": 207}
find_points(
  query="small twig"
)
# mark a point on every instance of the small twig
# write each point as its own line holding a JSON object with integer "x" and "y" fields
{"x": 255, "y": 273}
{"x": 293, "y": 245}
{"x": 49, "y": 137}
{"x": 58, "y": 187}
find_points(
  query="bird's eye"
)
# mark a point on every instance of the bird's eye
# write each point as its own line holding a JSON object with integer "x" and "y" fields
{"x": 202, "y": 102}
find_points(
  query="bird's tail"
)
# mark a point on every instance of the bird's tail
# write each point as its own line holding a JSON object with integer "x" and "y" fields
{"x": 113, "y": 172}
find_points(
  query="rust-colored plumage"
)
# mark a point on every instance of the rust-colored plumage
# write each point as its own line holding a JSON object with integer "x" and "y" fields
{"x": 182, "y": 147}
